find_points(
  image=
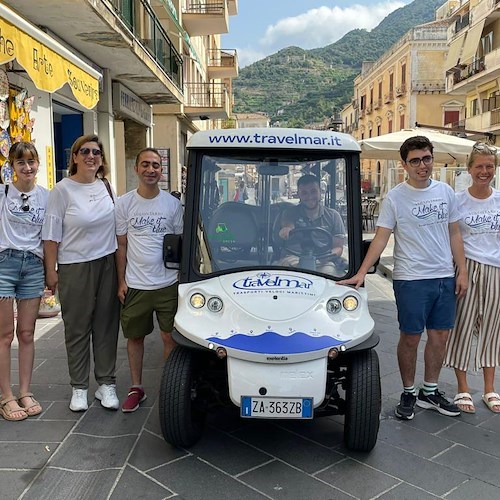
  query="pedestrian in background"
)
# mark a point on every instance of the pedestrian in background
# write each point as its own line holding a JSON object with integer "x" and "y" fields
{"x": 145, "y": 285}
{"x": 22, "y": 211}
{"x": 423, "y": 215}
{"x": 241, "y": 194}
{"x": 478, "y": 314}
{"x": 80, "y": 243}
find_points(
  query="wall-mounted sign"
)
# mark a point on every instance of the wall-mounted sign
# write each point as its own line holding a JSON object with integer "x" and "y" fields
{"x": 129, "y": 105}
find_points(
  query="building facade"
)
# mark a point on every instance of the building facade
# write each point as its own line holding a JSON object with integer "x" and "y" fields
{"x": 137, "y": 72}
{"x": 473, "y": 64}
{"x": 403, "y": 87}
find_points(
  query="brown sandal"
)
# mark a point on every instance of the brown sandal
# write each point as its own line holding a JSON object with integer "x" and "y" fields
{"x": 33, "y": 407}
{"x": 7, "y": 412}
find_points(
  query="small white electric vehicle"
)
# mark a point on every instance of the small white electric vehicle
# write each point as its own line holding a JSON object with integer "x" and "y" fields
{"x": 262, "y": 323}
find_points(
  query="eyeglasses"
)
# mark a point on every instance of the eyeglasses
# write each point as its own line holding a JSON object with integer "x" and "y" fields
{"x": 24, "y": 205}
{"x": 86, "y": 151}
{"x": 482, "y": 147}
{"x": 426, "y": 160}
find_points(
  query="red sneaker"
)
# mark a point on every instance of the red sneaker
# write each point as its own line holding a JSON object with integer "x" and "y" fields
{"x": 135, "y": 397}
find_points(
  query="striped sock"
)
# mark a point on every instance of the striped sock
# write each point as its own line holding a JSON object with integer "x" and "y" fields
{"x": 410, "y": 389}
{"x": 429, "y": 388}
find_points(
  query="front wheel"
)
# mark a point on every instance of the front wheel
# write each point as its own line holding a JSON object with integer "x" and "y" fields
{"x": 363, "y": 401}
{"x": 181, "y": 417}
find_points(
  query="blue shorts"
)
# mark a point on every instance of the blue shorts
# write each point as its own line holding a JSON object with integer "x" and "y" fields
{"x": 21, "y": 275}
{"x": 427, "y": 304}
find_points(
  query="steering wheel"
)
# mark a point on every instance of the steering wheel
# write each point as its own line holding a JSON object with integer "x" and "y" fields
{"x": 315, "y": 241}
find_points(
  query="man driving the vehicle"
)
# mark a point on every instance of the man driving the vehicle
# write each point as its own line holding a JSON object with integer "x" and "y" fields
{"x": 311, "y": 213}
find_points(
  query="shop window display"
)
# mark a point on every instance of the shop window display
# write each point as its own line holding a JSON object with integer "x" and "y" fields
{"x": 16, "y": 123}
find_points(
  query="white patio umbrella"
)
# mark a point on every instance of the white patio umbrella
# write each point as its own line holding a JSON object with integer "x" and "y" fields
{"x": 447, "y": 148}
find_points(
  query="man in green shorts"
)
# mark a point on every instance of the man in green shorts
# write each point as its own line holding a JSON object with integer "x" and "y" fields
{"x": 145, "y": 286}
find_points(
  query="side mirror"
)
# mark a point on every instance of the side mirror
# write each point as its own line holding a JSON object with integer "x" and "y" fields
{"x": 366, "y": 246}
{"x": 172, "y": 244}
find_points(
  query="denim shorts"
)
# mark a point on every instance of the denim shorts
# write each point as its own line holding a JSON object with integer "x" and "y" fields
{"x": 21, "y": 275}
{"x": 427, "y": 304}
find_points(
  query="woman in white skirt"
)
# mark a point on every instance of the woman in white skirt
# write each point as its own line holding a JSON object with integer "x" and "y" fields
{"x": 478, "y": 313}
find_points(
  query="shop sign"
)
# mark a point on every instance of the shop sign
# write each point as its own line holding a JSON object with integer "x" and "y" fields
{"x": 127, "y": 104}
{"x": 48, "y": 70}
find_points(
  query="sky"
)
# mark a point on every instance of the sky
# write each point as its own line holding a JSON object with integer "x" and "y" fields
{"x": 262, "y": 27}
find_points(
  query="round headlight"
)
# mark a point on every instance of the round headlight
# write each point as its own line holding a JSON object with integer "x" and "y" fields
{"x": 333, "y": 306}
{"x": 197, "y": 300}
{"x": 214, "y": 304}
{"x": 350, "y": 303}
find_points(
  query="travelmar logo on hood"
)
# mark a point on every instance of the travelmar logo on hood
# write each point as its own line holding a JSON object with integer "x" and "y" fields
{"x": 272, "y": 281}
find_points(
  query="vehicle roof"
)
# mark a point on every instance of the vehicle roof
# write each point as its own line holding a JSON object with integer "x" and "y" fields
{"x": 273, "y": 138}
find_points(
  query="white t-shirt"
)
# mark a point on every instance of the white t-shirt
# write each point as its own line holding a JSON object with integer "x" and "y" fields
{"x": 145, "y": 222}
{"x": 81, "y": 218}
{"x": 19, "y": 229}
{"x": 420, "y": 220}
{"x": 480, "y": 226}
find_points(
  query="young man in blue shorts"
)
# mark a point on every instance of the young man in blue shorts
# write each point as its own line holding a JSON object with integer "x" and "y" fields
{"x": 423, "y": 216}
{"x": 145, "y": 286}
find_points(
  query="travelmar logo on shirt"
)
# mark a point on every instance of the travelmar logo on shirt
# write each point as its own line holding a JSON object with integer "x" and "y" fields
{"x": 151, "y": 223}
{"x": 430, "y": 212}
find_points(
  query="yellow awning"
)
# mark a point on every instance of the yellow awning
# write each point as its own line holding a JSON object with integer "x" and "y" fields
{"x": 472, "y": 42}
{"x": 47, "y": 62}
{"x": 454, "y": 52}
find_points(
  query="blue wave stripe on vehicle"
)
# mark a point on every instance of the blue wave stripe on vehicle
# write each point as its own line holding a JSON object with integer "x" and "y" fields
{"x": 273, "y": 343}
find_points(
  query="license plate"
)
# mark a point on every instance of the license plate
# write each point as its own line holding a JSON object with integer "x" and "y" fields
{"x": 255, "y": 407}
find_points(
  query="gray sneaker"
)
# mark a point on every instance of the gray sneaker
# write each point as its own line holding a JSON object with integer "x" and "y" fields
{"x": 437, "y": 401}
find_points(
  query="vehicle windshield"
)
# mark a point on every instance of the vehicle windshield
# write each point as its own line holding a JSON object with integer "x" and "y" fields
{"x": 264, "y": 212}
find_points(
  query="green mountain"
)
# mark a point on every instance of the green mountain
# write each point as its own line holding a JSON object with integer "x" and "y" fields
{"x": 296, "y": 87}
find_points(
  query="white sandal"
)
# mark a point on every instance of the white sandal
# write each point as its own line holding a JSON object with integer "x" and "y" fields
{"x": 465, "y": 399}
{"x": 492, "y": 400}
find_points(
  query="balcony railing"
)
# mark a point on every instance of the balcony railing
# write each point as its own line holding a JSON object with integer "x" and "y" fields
{"x": 470, "y": 70}
{"x": 389, "y": 97}
{"x": 205, "y": 7}
{"x": 223, "y": 63}
{"x": 205, "y": 95}
{"x": 156, "y": 42}
{"x": 495, "y": 117}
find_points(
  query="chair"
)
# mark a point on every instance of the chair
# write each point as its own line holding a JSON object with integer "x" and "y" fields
{"x": 369, "y": 208}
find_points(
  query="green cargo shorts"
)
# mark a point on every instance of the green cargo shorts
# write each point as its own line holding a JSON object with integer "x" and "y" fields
{"x": 137, "y": 311}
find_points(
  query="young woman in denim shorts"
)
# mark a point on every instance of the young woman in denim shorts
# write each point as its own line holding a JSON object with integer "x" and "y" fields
{"x": 22, "y": 208}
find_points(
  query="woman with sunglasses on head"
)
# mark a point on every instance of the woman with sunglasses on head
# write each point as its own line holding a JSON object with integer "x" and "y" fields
{"x": 478, "y": 313}
{"x": 22, "y": 208}
{"x": 80, "y": 244}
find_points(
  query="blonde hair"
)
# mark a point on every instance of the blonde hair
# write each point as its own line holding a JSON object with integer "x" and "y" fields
{"x": 482, "y": 149}
{"x": 73, "y": 167}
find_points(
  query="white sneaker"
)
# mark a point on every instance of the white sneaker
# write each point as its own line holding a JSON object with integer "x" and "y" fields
{"x": 106, "y": 394}
{"x": 79, "y": 400}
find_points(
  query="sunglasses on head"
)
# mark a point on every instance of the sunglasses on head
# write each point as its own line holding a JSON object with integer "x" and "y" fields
{"x": 482, "y": 147}
{"x": 86, "y": 151}
{"x": 24, "y": 205}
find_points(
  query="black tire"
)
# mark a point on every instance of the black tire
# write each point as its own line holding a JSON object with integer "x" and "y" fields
{"x": 181, "y": 420}
{"x": 363, "y": 401}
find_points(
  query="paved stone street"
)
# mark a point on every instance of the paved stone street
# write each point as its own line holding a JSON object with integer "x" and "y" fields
{"x": 102, "y": 454}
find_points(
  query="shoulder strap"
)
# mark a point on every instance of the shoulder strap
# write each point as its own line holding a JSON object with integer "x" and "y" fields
{"x": 108, "y": 187}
